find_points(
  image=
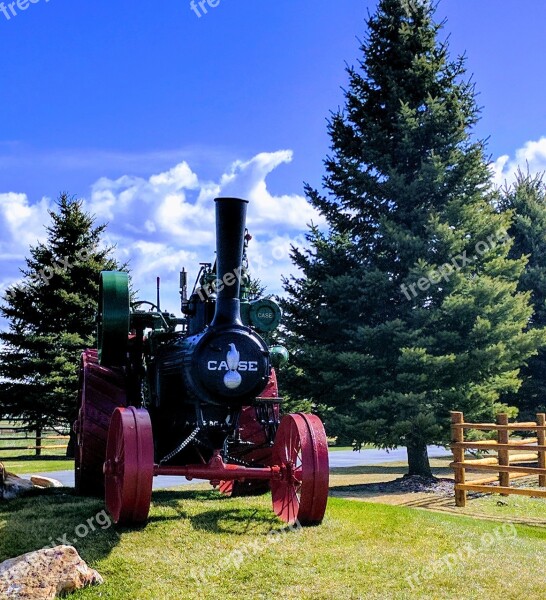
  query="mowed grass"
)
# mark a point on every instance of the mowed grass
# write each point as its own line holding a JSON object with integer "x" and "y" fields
{"x": 24, "y": 466}
{"x": 200, "y": 545}
{"x": 507, "y": 507}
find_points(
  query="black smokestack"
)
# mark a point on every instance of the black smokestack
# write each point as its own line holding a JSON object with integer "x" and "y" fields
{"x": 230, "y": 231}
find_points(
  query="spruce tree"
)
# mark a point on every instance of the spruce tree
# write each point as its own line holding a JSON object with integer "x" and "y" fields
{"x": 51, "y": 315}
{"x": 407, "y": 307}
{"x": 526, "y": 199}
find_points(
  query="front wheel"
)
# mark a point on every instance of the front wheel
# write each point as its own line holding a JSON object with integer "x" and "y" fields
{"x": 129, "y": 466}
{"x": 301, "y": 451}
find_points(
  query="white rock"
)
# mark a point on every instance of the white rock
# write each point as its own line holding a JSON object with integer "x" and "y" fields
{"x": 46, "y": 482}
{"x": 14, "y": 486}
{"x": 45, "y": 574}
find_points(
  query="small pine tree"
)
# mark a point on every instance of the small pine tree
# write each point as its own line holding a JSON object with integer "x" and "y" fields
{"x": 407, "y": 307}
{"x": 51, "y": 316}
{"x": 526, "y": 198}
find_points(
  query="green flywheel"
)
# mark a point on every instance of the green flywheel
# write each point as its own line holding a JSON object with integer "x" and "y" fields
{"x": 113, "y": 318}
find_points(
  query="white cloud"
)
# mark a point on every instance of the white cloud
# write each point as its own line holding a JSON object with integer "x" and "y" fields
{"x": 179, "y": 177}
{"x": 166, "y": 221}
{"x": 248, "y": 180}
{"x": 531, "y": 157}
{"x": 21, "y": 223}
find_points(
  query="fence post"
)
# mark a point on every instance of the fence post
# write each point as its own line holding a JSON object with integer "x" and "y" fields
{"x": 541, "y": 441}
{"x": 502, "y": 454}
{"x": 457, "y": 436}
{"x": 38, "y": 441}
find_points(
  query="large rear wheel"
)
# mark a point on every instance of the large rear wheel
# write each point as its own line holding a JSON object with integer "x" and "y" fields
{"x": 301, "y": 450}
{"x": 102, "y": 390}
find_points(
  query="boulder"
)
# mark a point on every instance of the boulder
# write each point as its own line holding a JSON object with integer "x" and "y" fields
{"x": 45, "y": 482}
{"x": 45, "y": 574}
{"x": 13, "y": 486}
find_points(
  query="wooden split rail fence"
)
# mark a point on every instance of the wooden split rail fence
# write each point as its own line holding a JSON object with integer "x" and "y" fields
{"x": 508, "y": 466}
{"x": 36, "y": 440}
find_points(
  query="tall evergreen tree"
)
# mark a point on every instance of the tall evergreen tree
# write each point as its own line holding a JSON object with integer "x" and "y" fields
{"x": 407, "y": 307}
{"x": 51, "y": 316}
{"x": 526, "y": 199}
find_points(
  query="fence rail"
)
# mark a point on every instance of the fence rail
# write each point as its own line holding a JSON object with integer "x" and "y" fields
{"x": 503, "y": 463}
{"x": 29, "y": 439}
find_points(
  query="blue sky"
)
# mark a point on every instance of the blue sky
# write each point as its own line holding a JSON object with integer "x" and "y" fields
{"x": 147, "y": 111}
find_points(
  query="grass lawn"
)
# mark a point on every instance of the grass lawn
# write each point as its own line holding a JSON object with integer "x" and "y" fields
{"x": 507, "y": 507}
{"x": 23, "y": 466}
{"x": 204, "y": 546}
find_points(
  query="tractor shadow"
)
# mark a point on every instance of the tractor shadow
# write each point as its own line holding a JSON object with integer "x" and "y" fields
{"x": 171, "y": 506}
{"x": 52, "y": 517}
{"x": 57, "y": 516}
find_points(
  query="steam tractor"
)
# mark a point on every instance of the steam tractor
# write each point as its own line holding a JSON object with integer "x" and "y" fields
{"x": 195, "y": 396}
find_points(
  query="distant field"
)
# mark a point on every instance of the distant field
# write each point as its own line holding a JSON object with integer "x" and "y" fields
{"x": 21, "y": 458}
{"x": 37, "y": 465}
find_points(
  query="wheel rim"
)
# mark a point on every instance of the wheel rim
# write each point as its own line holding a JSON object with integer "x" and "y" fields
{"x": 301, "y": 450}
{"x": 129, "y": 466}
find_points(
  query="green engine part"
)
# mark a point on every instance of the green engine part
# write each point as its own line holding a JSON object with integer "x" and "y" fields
{"x": 279, "y": 356}
{"x": 265, "y": 315}
{"x": 113, "y": 318}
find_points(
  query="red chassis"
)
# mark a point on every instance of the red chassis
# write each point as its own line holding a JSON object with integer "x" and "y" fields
{"x": 298, "y": 476}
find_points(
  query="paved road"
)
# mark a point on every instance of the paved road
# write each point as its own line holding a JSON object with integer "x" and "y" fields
{"x": 342, "y": 458}
{"x": 348, "y": 458}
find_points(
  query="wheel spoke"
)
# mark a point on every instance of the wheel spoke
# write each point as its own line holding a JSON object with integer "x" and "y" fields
{"x": 301, "y": 451}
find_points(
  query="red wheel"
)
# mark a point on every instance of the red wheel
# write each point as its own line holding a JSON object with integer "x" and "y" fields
{"x": 301, "y": 450}
{"x": 129, "y": 466}
{"x": 101, "y": 391}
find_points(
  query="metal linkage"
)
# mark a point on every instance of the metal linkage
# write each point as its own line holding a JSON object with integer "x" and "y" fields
{"x": 240, "y": 462}
{"x": 189, "y": 439}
